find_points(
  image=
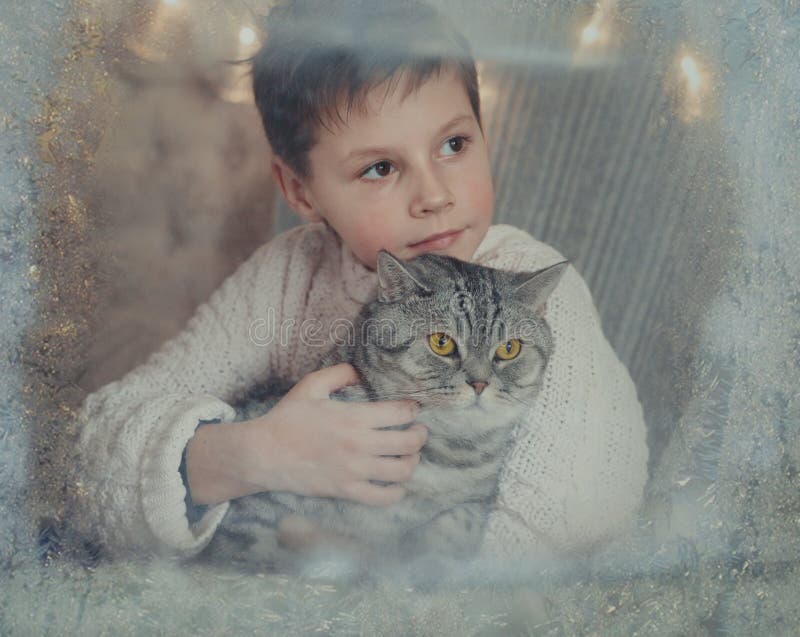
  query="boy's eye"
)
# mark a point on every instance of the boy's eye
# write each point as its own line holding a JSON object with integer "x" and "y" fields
{"x": 382, "y": 169}
{"x": 456, "y": 144}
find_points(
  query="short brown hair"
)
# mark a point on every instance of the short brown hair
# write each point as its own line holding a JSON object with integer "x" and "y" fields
{"x": 320, "y": 55}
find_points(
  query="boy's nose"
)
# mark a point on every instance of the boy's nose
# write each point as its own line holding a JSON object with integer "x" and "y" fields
{"x": 433, "y": 196}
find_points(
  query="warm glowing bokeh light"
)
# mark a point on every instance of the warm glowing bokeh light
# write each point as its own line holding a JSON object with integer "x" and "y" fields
{"x": 694, "y": 86}
{"x": 595, "y": 35}
{"x": 247, "y": 36}
{"x": 590, "y": 35}
{"x": 488, "y": 90}
{"x": 689, "y": 67}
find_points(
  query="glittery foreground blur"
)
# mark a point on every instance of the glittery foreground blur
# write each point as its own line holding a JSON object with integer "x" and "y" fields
{"x": 717, "y": 547}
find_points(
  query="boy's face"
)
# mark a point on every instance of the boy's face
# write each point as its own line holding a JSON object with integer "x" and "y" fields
{"x": 408, "y": 169}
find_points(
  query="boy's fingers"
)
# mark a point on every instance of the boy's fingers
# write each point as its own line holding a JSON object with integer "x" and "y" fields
{"x": 385, "y": 413}
{"x": 394, "y": 469}
{"x": 376, "y": 495}
{"x": 397, "y": 443}
{"x": 324, "y": 382}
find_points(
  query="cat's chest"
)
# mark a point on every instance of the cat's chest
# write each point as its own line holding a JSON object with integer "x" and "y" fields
{"x": 455, "y": 470}
{"x": 453, "y": 485}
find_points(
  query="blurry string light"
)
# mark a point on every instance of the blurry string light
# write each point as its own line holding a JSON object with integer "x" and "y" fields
{"x": 595, "y": 35}
{"x": 487, "y": 90}
{"x": 163, "y": 32}
{"x": 689, "y": 68}
{"x": 213, "y": 41}
{"x": 247, "y": 36}
{"x": 691, "y": 87}
{"x": 590, "y": 34}
{"x": 239, "y": 88}
{"x": 596, "y": 32}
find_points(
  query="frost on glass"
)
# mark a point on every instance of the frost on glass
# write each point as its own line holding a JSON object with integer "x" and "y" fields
{"x": 654, "y": 144}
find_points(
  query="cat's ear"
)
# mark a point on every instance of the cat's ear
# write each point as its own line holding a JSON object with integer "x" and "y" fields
{"x": 534, "y": 288}
{"x": 395, "y": 279}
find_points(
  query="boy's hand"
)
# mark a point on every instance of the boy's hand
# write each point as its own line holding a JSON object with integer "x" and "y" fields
{"x": 316, "y": 446}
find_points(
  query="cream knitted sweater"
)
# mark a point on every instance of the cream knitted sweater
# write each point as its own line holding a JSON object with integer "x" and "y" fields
{"x": 574, "y": 477}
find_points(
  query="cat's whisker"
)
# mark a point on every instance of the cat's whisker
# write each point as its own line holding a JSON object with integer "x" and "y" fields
{"x": 400, "y": 394}
{"x": 518, "y": 399}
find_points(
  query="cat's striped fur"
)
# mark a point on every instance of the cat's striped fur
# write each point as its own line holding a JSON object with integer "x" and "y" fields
{"x": 453, "y": 488}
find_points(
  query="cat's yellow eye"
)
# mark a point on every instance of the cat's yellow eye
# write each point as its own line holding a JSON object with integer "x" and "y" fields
{"x": 441, "y": 343}
{"x": 509, "y": 349}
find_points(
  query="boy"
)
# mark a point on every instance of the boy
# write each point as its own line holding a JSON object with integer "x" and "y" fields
{"x": 373, "y": 116}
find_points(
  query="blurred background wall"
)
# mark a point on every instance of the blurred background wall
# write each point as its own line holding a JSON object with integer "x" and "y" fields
{"x": 655, "y": 144}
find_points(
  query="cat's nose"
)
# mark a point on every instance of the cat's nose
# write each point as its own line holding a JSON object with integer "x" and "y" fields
{"x": 478, "y": 385}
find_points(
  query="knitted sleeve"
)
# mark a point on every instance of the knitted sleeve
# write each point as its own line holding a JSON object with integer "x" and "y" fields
{"x": 577, "y": 471}
{"x": 125, "y": 490}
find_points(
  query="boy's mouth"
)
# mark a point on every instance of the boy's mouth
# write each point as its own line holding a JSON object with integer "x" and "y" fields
{"x": 437, "y": 241}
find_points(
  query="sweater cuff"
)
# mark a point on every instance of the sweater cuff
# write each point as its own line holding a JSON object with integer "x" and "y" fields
{"x": 194, "y": 512}
{"x": 163, "y": 494}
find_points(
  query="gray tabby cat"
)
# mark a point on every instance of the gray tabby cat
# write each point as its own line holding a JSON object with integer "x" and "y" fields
{"x": 470, "y": 345}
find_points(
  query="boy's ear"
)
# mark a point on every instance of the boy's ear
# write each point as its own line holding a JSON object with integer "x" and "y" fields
{"x": 294, "y": 191}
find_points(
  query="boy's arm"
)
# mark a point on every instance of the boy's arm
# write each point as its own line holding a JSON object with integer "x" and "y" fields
{"x": 576, "y": 473}
{"x": 125, "y": 489}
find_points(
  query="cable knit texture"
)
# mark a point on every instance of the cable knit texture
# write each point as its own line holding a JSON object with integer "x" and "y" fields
{"x": 574, "y": 477}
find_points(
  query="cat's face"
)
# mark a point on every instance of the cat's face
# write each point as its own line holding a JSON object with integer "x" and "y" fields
{"x": 456, "y": 336}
